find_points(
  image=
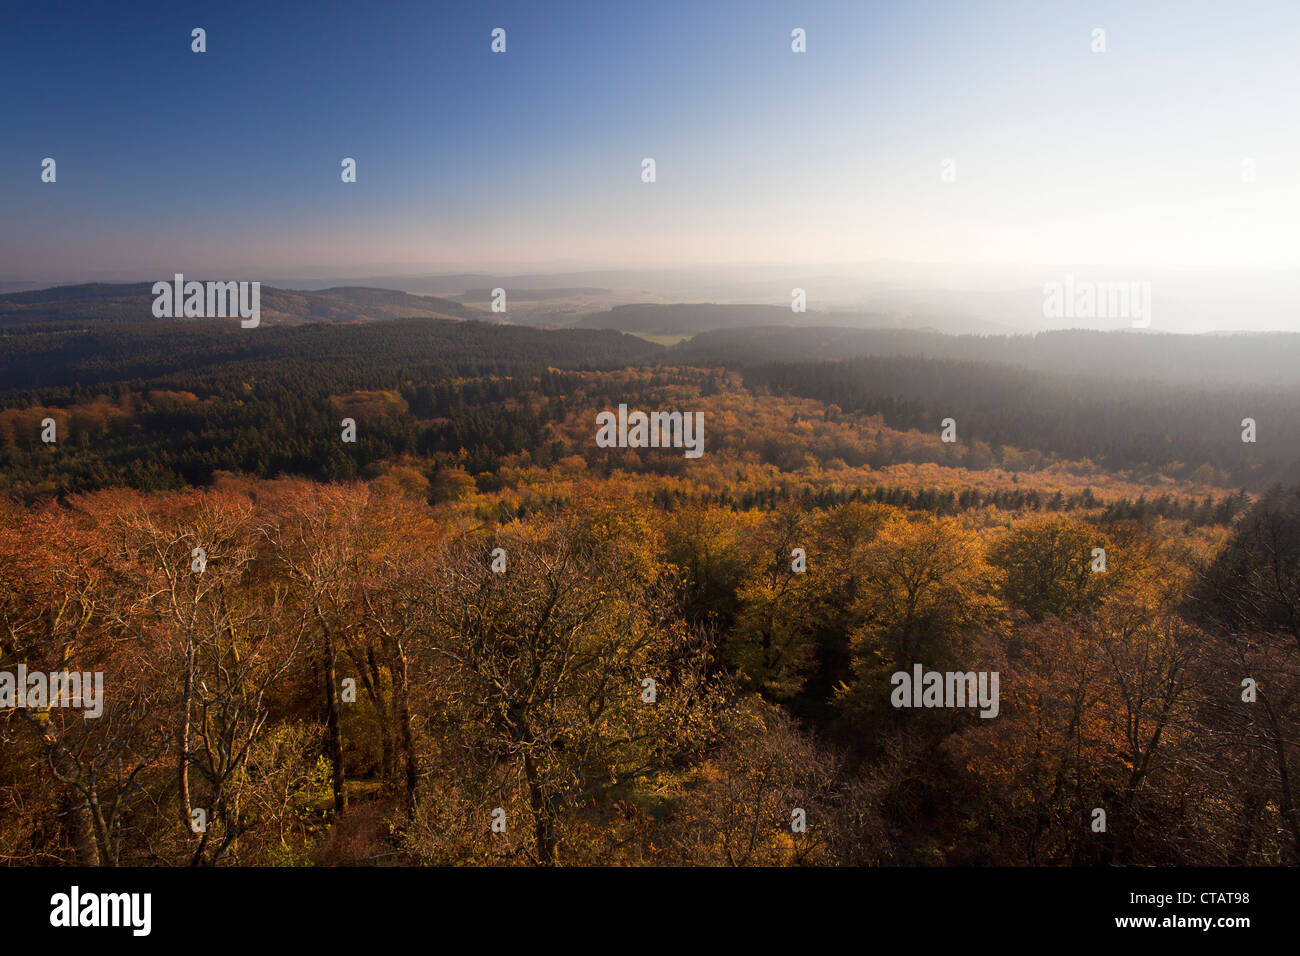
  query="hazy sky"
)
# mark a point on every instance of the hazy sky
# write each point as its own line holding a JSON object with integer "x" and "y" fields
{"x": 214, "y": 163}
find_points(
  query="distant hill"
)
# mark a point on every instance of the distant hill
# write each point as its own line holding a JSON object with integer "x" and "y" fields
{"x": 686, "y": 318}
{"x": 380, "y": 304}
{"x": 531, "y": 295}
{"x": 133, "y": 302}
{"x": 693, "y": 318}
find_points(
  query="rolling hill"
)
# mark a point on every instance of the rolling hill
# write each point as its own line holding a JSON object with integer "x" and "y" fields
{"x": 133, "y": 302}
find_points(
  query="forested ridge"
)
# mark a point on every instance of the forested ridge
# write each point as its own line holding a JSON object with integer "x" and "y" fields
{"x": 266, "y": 403}
{"x": 169, "y": 404}
{"x": 1118, "y": 423}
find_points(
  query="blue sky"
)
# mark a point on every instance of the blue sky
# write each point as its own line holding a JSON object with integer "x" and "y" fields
{"x": 229, "y": 160}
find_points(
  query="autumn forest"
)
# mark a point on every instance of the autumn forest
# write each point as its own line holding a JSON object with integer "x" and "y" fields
{"x": 473, "y": 636}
